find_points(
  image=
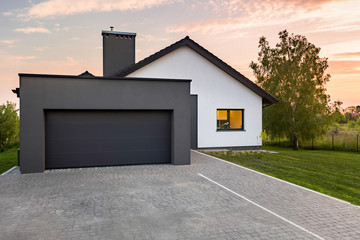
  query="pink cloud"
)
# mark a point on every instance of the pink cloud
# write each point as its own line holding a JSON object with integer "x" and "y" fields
{"x": 213, "y": 26}
{"x": 235, "y": 7}
{"x": 310, "y": 15}
{"x": 8, "y": 42}
{"x": 344, "y": 67}
{"x": 41, "y": 48}
{"x": 53, "y": 8}
{"x": 24, "y": 57}
{"x": 347, "y": 54}
{"x": 148, "y": 37}
{"x": 6, "y": 14}
{"x": 32, "y": 30}
{"x": 307, "y": 3}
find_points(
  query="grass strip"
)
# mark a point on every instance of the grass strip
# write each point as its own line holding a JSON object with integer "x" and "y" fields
{"x": 330, "y": 172}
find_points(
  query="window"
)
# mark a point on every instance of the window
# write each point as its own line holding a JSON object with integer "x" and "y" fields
{"x": 230, "y": 119}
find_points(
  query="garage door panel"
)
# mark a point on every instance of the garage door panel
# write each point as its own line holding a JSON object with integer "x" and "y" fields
{"x": 103, "y": 138}
{"x": 108, "y": 144}
{"x": 78, "y": 130}
{"x": 93, "y": 159}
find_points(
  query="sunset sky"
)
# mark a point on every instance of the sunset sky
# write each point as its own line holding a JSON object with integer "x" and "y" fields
{"x": 64, "y": 36}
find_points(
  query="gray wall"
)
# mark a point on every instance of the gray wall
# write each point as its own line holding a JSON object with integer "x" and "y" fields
{"x": 41, "y": 92}
{"x": 194, "y": 121}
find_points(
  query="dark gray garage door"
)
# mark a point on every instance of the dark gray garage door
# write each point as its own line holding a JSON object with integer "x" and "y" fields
{"x": 106, "y": 138}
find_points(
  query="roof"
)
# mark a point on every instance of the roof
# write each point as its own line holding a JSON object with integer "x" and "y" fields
{"x": 86, "y": 74}
{"x": 267, "y": 98}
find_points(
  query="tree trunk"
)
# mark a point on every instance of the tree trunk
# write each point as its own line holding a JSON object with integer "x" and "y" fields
{"x": 295, "y": 142}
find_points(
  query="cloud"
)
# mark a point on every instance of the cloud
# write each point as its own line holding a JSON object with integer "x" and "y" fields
{"x": 344, "y": 67}
{"x": 58, "y": 29}
{"x": 41, "y": 48}
{"x": 71, "y": 61}
{"x": 12, "y": 64}
{"x": 234, "y": 15}
{"x": 347, "y": 54}
{"x": 32, "y": 30}
{"x": 148, "y": 37}
{"x": 308, "y": 3}
{"x": 74, "y": 38}
{"x": 8, "y": 42}
{"x": 218, "y": 26}
{"x": 238, "y": 15}
{"x": 52, "y": 8}
{"x": 22, "y": 58}
{"x": 6, "y": 14}
{"x": 344, "y": 27}
{"x": 238, "y": 6}
{"x": 213, "y": 26}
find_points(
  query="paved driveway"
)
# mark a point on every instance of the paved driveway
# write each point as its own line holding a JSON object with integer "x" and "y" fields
{"x": 210, "y": 199}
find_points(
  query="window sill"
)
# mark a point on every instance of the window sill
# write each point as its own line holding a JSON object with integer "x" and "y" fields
{"x": 230, "y": 130}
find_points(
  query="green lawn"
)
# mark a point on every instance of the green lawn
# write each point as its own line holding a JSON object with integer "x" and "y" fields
{"x": 330, "y": 172}
{"x": 8, "y": 158}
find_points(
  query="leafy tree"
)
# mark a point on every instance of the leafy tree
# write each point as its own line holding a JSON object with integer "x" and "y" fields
{"x": 351, "y": 109}
{"x": 337, "y": 112}
{"x": 9, "y": 124}
{"x": 352, "y": 125}
{"x": 294, "y": 73}
{"x": 351, "y": 113}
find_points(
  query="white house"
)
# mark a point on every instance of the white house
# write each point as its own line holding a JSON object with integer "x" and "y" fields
{"x": 229, "y": 104}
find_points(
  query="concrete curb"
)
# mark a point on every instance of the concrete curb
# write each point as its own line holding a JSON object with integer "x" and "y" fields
{"x": 8, "y": 171}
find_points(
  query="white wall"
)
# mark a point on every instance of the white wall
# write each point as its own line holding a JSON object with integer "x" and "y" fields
{"x": 215, "y": 89}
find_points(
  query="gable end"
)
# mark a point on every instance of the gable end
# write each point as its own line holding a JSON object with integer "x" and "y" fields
{"x": 267, "y": 98}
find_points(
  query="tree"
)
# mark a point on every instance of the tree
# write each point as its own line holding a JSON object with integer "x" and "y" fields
{"x": 9, "y": 124}
{"x": 337, "y": 112}
{"x": 351, "y": 114}
{"x": 295, "y": 74}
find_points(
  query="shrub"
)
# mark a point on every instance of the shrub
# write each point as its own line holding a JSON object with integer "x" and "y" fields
{"x": 9, "y": 124}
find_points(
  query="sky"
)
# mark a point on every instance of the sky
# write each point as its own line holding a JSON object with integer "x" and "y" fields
{"x": 64, "y": 36}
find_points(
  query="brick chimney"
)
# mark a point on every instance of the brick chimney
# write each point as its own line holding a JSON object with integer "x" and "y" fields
{"x": 118, "y": 51}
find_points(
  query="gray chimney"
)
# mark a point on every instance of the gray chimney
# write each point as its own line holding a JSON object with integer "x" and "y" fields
{"x": 118, "y": 51}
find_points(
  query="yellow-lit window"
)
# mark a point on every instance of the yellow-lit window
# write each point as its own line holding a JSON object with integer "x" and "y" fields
{"x": 230, "y": 119}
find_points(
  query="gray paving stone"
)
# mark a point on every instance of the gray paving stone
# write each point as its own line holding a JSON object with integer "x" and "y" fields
{"x": 166, "y": 202}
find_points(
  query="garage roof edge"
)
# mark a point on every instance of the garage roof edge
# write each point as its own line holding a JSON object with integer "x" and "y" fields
{"x": 102, "y": 78}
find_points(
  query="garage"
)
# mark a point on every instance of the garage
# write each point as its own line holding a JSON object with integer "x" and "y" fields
{"x": 75, "y": 121}
{"x": 88, "y": 138}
